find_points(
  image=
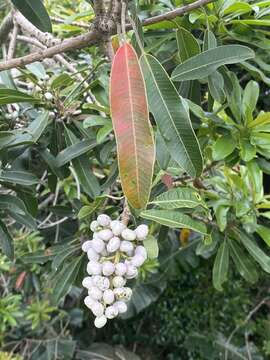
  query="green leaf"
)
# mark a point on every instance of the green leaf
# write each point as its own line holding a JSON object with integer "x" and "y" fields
{"x": 82, "y": 168}
{"x": 221, "y": 216}
{"x": 37, "y": 69}
{"x": 65, "y": 278}
{"x": 256, "y": 178}
{"x": 35, "y": 12}
{"x": 38, "y": 126}
{"x": 6, "y": 241}
{"x": 95, "y": 120}
{"x": 209, "y": 40}
{"x": 63, "y": 80}
{"x": 223, "y": 147}
{"x": 11, "y": 96}
{"x": 151, "y": 246}
{"x": 74, "y": 151}
{"x": 221, "y": 266}
{"x": 188, "y": 46}
{"x": 250, "y": 98}
{"x": 258, "y": 255}
{"x": 172, "y": 117}
{"x": 174, "y": 219}
{"x": 243, "y": 263}
{"x": 216, "y": 85}
{"x": 202, "y": 65}
{"x": 87, "y": 210}
{"x": 18, "y": 177}
{"x": 179, "y": 198}
{"x": 264, "y": 233}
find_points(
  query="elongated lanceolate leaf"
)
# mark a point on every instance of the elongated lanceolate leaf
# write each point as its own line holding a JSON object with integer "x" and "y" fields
{"x": 174, "y": 219}
{"x": 178, "y": 198}
{"x": 35, "y": 12}
{"x": 205, "y": 63}
{"x": 171, "y": 116}
{"x": 6, "y": 242}
{"x": 11, "y": 96}
{"x": 221, "y": 266}
{"x": 187, "y": 44}
{"x": 135, "y": 143}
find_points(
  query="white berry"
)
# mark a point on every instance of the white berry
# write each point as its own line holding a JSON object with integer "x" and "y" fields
{"x": 132, "y": 272}
{"x": 48, "y": 96}
{"x": 108, "y": 296}
{"x": 140, "y": 250}
{"x": 105, "y": 234}
{"x": 97, "y": 309}
{"x": 117, "y": 227}
{"x": 86, "y": 245}
{"x": 128, "y": 234}
{"x": 120, "y": 269}
{"x": 126, "y": 246}
{"x": 95, "y": 293}
{"x": 101, "y": 282}
{"x": 113, "y": 244}
{"x": 118, "y": 281}
{"x": 98, "y": 245}
{"x": 100, "y": 321}
{"x": 121, "y": 306}
{"x": 94, "y": 268}
{"x": 138, "y": 260}
{"x": 108, "y": 268}
{"x": 111, "y": 312}
{"x": 89, "y": 302}
{"x": 87, "y": 282}
{"x": 92, "y": 255}
{"x": 104, "y": 220}
{"x": 141, "y": 232}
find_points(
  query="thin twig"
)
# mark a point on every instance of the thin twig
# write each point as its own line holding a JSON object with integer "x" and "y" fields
{"x": 5, "y": 28}
{"x": 13, "y": 41}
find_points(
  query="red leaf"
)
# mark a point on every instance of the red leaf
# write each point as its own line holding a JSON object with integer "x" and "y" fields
{"x": 133, "y": 131}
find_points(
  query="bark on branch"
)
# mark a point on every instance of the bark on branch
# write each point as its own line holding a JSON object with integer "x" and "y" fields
{"x": 90, "y": 38}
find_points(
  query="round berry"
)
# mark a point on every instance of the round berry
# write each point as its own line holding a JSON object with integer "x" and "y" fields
{"x": 137, "y": 260}
{"x": 108, "y": 296}
{"x": 141, "y": 231}
{"x": 48, "y": 96}
{"x": 117, "y": 227}
{"x": 89, "y": 302}
{"x": 128, "y": 234}
{"x": 118, "y": 281}
{"x": 128, "y": 293}
{"x": 94, "y": 268}
{"x": 121, "y": 306}
{"x": 126, "y": 246}
{"x": 111, "y": 312}
{"x": 108, "y": 268}
{"x": 98, "y": 245}
{"x": 105, "y": 234}
{"x": 86, "y": 245}
{"x": 101, "y": 282}
{"x": 120, "y": 269}
{"x": 94, "y": 226}
{"x": 104, "y": 220}
{"x": 132, "y": 272}
{"x": 141, "y": 250}
{"x": 97, "y": 309}
{"x": 119, "y": 293}
{"x": 113, "y": 244}
{"x": 95, "y": 293}
{"x": 92, "y": 255}
{"x": 87, "y": 282}
{"x": 100, "y": 321}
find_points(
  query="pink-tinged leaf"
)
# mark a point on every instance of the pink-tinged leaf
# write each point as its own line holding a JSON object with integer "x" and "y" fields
{"x": 132, "y": 128}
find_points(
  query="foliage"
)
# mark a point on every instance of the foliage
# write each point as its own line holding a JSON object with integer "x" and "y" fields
{"x": 197, "y": 86}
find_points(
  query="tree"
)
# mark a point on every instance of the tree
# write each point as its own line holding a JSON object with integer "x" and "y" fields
{"x": 152, "y": 113}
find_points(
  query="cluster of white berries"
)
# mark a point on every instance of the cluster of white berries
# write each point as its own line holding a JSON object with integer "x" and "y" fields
{"x": 114, "y": 254}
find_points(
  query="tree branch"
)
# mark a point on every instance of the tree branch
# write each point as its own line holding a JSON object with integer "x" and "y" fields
{"x": 90, "y": 38}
